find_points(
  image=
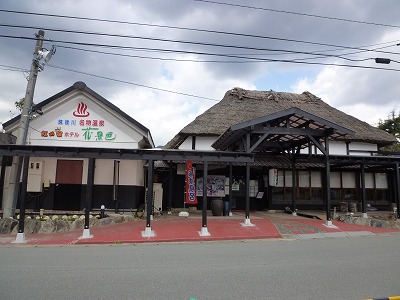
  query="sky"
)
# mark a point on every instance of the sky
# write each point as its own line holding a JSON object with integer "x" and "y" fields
{"x": 164, "y": 62}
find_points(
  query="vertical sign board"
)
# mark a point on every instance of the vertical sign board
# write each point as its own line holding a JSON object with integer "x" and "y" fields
{"x": 190, "y": 184}
{"x": 273, "y": 177}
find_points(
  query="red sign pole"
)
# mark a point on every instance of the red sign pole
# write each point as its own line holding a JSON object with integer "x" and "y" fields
{"x": 190, "y": 184}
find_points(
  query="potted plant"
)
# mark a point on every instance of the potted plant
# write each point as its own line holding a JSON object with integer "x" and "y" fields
{"x": 140, "y": 211}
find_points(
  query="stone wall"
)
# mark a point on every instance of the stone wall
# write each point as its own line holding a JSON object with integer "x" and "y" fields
{"x": 380, "y": 222}
{"x": 10, "y": 226}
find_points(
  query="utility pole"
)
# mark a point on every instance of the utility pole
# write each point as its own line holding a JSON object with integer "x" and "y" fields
{"x": 11, "y": 194}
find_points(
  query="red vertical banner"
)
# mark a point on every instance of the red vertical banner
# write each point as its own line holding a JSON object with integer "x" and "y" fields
{"x": 190, "y": 184}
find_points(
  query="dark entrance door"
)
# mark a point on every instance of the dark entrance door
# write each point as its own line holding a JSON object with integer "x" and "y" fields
{"x": 68, "y": 185}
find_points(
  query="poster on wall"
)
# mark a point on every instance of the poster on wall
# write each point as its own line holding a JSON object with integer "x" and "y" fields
{"x": 235, "y": 186}
{"x": 215, "y": 186}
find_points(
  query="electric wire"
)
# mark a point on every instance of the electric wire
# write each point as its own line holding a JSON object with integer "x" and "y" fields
{"x": 276, "y": 60}
{"x": 244, "y": 59}
{"x": 316, "y": 54}
{"x": 247, "y": 59}
{"x": 202, "y": 30}
{"x": 130, "y": 83}
{"x": 173, "y": 27}
{"x": 156, "y": 58}
{"x": 297, "y": 13}
{"x": 190, "y": 52}
{"x": 10, "y": 68}
{"x": 183, "y": 41}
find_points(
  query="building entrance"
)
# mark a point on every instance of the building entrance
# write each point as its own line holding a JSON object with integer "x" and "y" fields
{"x": 68, "y": 185}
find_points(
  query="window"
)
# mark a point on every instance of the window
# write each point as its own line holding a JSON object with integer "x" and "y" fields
{"x": 381, "y": 181}
{"x": 288, "y": 179}
{"x": 349, "y": 180}
{"x": 344, "y": 186}
{"x": 281, "y": 178}
{"x": 369, "y": 181}
{"x": 316, "y": 180}
{"x": 304, "y": 179}
{"x": 335, "y": 180}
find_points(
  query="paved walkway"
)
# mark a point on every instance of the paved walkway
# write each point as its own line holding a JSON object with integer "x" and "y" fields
{"x": 172, "y": 228}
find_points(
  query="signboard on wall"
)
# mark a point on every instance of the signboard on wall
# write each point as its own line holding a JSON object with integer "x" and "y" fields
{"x": 273, "y": 177}
{"x": 215, "y": 186}
{"x": 79, "y": 125}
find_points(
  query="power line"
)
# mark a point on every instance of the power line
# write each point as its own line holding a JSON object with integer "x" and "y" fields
{"x": 156, "y": 58}
{"x": 164, "y": 40}
{"x": 213, "y": 54}
{"x": 315, "y": 53}
{"x": 360, "y": 50}
{"x": 194, "y": 43}
{"x": 173, "y": 27}
{"x": 15, "y": 69}
{"x": 131, "y": 83}
{"x": 299, "y": 14}
{"x": 244, "y": 59}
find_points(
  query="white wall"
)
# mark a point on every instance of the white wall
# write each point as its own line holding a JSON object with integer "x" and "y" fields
{"x": 205, "y": 142}
{"x": 335, "y": 147}
{"x": 202, "y": 143}
{"x": 187, "y": 144}
{"x": 50, "y": 167}
{"x": 101, "y": 127}
{"x": 362, "y": 147}
{"x": 340, "y": 148}
{"x": 131, "y": 171}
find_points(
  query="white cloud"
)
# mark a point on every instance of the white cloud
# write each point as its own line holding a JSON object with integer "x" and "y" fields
{"x": 165, "y": 114}
{"x": 367, "y": 94}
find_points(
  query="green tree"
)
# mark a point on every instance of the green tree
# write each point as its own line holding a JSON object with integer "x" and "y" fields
{"x": 392, "y": 126}
{"x": 19, "y": 104}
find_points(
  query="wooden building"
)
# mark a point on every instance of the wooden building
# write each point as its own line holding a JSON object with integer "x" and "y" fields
{"x": 307, "y": 153}
{"x": 78, "y": 117}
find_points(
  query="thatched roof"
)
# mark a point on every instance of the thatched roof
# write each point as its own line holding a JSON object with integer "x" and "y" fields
{"x": 239, "y": 105}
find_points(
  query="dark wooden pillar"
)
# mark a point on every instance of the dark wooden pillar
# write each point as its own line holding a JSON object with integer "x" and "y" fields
{"x": 204, "y": 229}
{"x": 170, "y": 186}
{"x": 363, "y": 192}
{"x": 230, "y": 186}
{"x": 328, "y": 183}
{"x": 247, "y": 190}
{"x": 2, "y": 176}
{"x": 89, "y": 190}
{"x": 149, "y": 192}
{"x": 204, "y": 211}
{"x": 397, "y": 188}
{"x": 22, "y": 195}
{"x": 293, "y": 185}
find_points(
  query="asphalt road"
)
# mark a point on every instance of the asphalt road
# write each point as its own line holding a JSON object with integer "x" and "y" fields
{"x": 330, "y": 268}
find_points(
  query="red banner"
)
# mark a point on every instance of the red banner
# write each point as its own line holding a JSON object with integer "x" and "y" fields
{"x": 190, "y": 184}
